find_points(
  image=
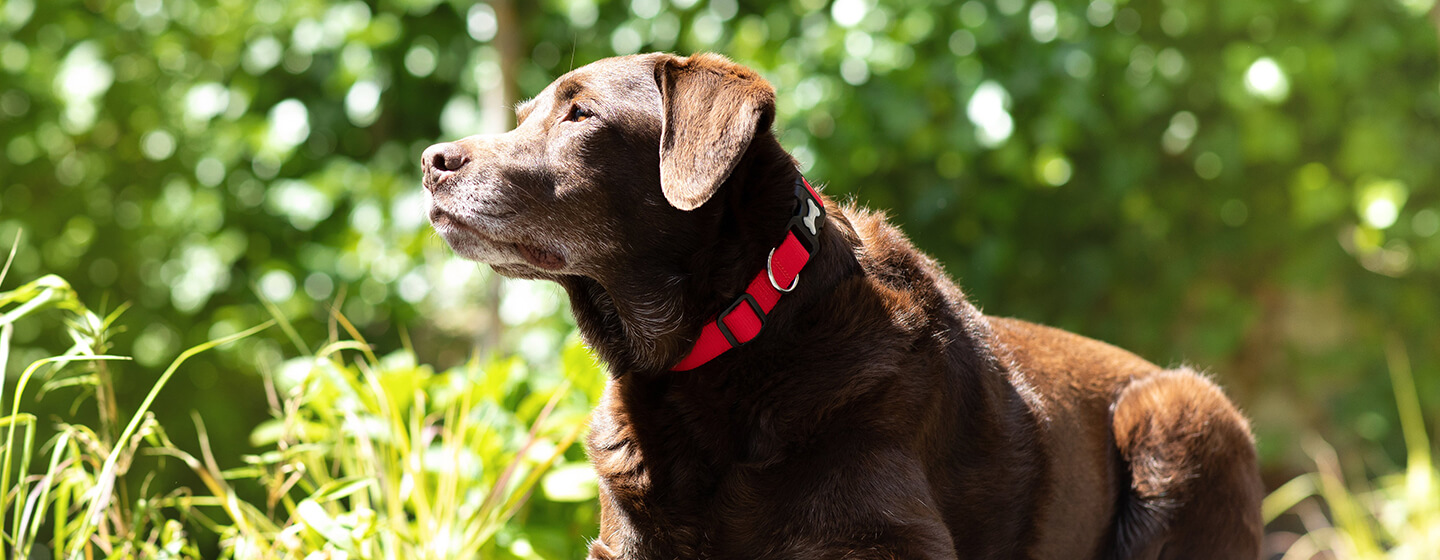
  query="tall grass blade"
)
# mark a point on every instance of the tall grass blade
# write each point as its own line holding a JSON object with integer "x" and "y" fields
{"x": 1356, "y": 536}
{"x": 285, "y": 326}
{"x": 6, "y": 331}
{"x": 105, "y": 483}
{"x": 354, "y": 333}
{"x": 21, "y": 488}
{"x": 1422, "y": 497}
{"x": 1286, "y": 496}
{"x": 14, "y": 249}
{"x": 32, "y": 516}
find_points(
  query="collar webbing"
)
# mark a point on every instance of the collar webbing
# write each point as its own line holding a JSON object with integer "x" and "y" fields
{"x": 742, "y": 320}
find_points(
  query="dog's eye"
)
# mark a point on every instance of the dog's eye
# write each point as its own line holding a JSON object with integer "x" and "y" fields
{"x": 578, "y": 114}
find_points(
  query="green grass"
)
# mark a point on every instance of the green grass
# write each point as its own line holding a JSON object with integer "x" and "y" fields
{"x": 370, "y": 456}
{"x": 1392, "y": 516}
{"x": 364, "y": 457}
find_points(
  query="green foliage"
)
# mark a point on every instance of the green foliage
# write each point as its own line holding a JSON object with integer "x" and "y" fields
{"x": 1249, "y": 187}
{"x": 394, "y": 460}
{"x": 375, "y": 458}
{"x": 79, "y": 486}
{"x": 1246, "y": 186}
{"x": 1395, "y": 516}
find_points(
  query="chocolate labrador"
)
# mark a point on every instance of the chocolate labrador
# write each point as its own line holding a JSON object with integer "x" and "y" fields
{"x": 791, "y": 378}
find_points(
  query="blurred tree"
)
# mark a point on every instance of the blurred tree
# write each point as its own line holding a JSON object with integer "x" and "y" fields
{"x": 1250, "y": 187}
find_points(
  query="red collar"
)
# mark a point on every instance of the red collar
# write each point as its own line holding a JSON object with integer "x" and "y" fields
{"x": 742, "y": 320}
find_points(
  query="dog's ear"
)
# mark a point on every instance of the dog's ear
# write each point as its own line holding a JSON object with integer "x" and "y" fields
{"x": 712, "y": 109}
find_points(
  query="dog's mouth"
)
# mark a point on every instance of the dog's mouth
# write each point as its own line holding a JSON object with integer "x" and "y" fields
{"x": 471, "y": 243}
{"x": 541, "y": 258}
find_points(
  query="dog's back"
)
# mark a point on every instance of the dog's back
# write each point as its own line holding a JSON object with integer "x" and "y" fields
{"x": 1146, "y": 462}
{"x": 1129, "y": 460}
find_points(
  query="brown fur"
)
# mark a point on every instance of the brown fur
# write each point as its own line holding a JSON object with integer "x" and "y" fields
{"x": 879, "y": 414}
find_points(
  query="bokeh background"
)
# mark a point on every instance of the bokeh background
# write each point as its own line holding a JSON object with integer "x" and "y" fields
{"x": 1250, "y": 188}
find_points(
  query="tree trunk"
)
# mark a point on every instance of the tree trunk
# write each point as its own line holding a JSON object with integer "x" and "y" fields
{"x": 1435, "y": 19}
{"x": 499, "y": 102}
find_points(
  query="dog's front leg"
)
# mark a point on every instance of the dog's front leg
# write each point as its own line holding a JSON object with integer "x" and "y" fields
{"x": 600, "y": 551}
{"x": 615, "y": 533}
{"x": 641, "y": 533}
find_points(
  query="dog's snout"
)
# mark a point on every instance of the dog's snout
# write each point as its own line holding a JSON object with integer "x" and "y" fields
{"x": 441, "y": 160}
{"x": 449, "y": 157}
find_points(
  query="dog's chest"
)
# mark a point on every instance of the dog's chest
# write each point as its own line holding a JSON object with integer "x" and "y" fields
{"x": 676, "y": 487}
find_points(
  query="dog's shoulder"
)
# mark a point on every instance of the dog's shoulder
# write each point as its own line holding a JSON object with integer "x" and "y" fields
{"x": 883, "y": 250}
{"x": 911, "y": 279}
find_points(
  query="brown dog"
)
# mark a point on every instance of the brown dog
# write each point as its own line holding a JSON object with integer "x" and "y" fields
{"x": 878, "y": 414}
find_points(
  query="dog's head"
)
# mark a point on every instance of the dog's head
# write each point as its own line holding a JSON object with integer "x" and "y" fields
{"x": 605, "y": 163}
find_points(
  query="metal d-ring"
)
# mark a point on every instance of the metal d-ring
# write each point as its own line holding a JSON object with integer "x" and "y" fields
{"x": 770, "y": 271}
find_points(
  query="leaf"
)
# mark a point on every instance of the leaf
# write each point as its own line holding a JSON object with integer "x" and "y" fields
{"x": 313, "y": 515}
{"x": 572, "y": 482}
{"x": 337, "y": 489}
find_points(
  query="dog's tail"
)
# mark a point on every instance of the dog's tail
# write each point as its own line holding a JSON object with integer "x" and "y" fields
{"x": 1189, "y": 465}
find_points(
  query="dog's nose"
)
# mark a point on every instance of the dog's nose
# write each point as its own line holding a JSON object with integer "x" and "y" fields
{"x": 441, "y": 159}
{"x": 447, "y": 157}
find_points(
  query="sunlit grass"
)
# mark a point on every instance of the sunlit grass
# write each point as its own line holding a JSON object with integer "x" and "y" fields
{"x": 370, "y": 456}
{"x": 384, "y": 458}
{"x": 365, "y": 456}
{"x": 1394, "y": 516}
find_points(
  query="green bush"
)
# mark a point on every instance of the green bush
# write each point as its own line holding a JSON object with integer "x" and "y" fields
{"x": 365, "y": 457}
{"x": 1394, "y": 516}
{"x": 1247, "y": 187}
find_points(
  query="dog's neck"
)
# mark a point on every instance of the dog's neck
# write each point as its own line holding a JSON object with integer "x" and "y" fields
{"x": 645, "y": 318}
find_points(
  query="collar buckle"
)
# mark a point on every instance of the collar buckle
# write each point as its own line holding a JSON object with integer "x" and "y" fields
{"x": 745, "y": 297}
{"x": 809, "y": 216}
